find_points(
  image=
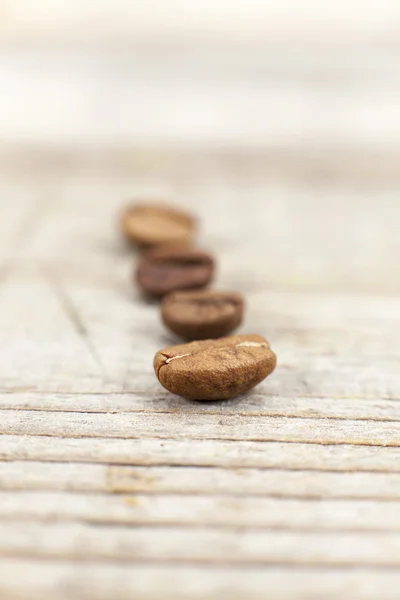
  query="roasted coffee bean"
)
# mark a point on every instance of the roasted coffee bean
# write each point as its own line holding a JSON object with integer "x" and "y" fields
{"x": 215, "y": 369}
{"x": 202, "y": 314}
{"x": 164, "y": 269}
{"x": 150, "y": 225}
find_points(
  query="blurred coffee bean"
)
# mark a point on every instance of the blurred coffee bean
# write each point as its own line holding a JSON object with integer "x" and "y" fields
{"x": 164, "y": 269}
{"x": 150, "y": 225}
{"x": 198, "y": 315}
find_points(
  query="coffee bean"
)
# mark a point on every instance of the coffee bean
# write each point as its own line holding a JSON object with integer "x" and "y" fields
{"x": 149, "y": 225}
{"x": 202, "y": 314}
{"x": 168, "y": 268}
{"x": 215, "y": 369}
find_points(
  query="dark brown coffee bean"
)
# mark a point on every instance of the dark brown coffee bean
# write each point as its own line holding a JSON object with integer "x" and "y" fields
{"x": 150, "y": 225}
{"x": 215, "y": 369}
{"x": 164, "y": 269}
{"x": 202, "y": 314}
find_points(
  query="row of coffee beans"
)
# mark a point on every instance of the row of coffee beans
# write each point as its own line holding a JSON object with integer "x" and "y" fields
{"x": 210, "y": 366}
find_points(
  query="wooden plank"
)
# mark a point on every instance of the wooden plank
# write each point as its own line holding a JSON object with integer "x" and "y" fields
{"x": 45, "y": 346}
{"x": 199, "y": 426}
{"x": 158, "y": 401}
{"x": 208, "y": 546}
{"x": 203, "y": 510}
{"x": 20, "y": 221}
{"x": 236, "y": 454}
{"x": 80, "y": 477}
{"x": 66, "y": 579}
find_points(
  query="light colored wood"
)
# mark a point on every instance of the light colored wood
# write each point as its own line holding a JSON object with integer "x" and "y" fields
{"x": 236, "y": 454}
{"x": 254, "y": 405}
{"x": 218, "y": 21}
{"x": 54, "y": 579}
{"x": 112, "y": 488}
{"x": 88, "y": 543}
{"x": 199, "y": 510}
{"x": 125, "y": 479}
{"x": 199, "y": 426}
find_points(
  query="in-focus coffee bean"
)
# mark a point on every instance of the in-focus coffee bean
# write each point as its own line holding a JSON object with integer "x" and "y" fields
{"x": 202, "y": 314}
{"x": 149, "y": 225}
{"x": 164, "y": 269}
{"x": 215, "y": 369}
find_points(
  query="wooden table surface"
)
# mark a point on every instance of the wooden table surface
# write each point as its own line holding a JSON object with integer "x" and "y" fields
{"x": 110, "y": 487}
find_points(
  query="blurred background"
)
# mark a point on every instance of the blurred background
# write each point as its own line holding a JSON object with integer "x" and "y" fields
{"x": 289, "y": 106}
{"x": 287, "y": 74}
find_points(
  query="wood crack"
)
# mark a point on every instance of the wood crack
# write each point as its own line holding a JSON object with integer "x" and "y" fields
{"x": 72, "y": 314}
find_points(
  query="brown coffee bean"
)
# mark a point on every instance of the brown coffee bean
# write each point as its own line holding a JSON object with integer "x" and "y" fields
{"x": 215, "y": 369}
{"x": 149, "y": 225}
{"x": 164, "y": 269}
{"x": 202, "y": 314}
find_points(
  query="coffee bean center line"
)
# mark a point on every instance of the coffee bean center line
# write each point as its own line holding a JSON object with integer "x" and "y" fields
{"x": 175, "y": 357}
{"x": 251, "y": 345}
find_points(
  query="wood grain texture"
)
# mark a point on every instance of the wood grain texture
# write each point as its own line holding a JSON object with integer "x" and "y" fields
{"x": 273, "y": 482}
{"x": 58, "y": 579}
{"x": 110, "y": 487}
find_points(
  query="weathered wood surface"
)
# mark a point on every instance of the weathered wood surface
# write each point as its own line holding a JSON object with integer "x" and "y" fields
{"x": 112, "y": 488}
